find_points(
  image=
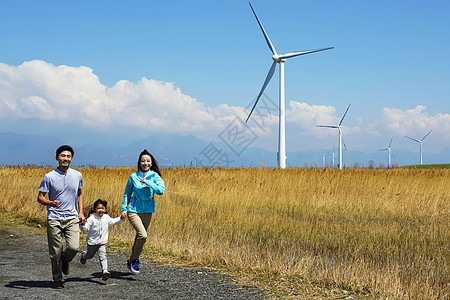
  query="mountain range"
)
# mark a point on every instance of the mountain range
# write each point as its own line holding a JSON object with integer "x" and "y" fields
{"x": 173, "y": 150}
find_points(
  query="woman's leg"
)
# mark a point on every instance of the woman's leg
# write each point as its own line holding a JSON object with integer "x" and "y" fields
{"x": 140, "y": 223}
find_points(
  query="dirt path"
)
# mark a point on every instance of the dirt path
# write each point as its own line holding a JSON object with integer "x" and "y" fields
{"x": 25, "y": 273}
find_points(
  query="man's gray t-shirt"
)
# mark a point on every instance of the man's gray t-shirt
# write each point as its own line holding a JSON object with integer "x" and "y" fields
{"x": 63, "y": 187}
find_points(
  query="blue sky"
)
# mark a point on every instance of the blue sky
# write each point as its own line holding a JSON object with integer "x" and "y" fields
{"x": 97, "y": 70}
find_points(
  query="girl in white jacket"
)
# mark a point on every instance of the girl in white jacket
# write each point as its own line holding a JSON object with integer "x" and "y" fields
{"x": 97, "y": 227}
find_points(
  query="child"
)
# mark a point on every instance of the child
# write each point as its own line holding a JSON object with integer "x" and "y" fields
{"x": 97, "y": 237}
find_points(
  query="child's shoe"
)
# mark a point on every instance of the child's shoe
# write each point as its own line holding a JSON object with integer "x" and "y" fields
{"x": 106, "y": 275}
{"x": 82, "y": 259}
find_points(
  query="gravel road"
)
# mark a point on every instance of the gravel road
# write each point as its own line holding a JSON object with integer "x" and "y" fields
{"x": 25, "y": 273}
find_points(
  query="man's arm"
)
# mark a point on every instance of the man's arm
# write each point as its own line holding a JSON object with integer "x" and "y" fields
{"x": 81, "y": 216}
{"x": 44, "y": 201}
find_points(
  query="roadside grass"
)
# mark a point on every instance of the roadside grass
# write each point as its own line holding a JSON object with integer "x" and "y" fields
{"x": 297, "y": 233}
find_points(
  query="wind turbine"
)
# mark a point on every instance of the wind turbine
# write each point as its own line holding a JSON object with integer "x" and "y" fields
{"x": 333, "y": 155}
{"x": 389, "y": 152}
{"x": 340, "y": 135}
{"x": 420, "y": 142}
{"x": 278, "y": 59}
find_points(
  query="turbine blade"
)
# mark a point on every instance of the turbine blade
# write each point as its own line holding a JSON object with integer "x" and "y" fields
{"x": 426, "y": 135}
{"x": 268, "y": 77}
{"x": 269, "y": 43}
{"x": 328, "y": 126}
{"x": 293, "y": 54}
{"x": 383, "y": 149}
{"x": 343, "y": 142}
{"x": 344, "y": 115}
{"x": 392, "y": 155}
{"x": 390, "y": 142}
{"x": 412, "y": 139}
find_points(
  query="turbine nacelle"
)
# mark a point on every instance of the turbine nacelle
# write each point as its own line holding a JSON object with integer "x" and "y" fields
{"x": 277, "y": 58}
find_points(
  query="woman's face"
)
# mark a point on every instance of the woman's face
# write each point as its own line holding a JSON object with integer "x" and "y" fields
{"x": 145, "y": 163}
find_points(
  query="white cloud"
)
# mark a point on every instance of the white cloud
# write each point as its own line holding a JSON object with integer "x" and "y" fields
{"x": 37, "y": 89}
{"x": 308, "y": 116}
{"x": 40, "y": 90}
{"x": 414, "y": 121}
{"x": 74, "y": 95}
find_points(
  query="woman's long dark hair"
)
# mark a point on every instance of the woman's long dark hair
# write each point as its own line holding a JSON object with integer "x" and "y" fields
{"x": 154, "y": 167}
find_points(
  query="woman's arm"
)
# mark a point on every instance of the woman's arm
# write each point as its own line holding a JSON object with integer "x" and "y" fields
{"x": 156, "y": 183}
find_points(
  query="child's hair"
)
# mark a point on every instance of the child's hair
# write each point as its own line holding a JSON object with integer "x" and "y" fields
{"x": 96, "y": 203}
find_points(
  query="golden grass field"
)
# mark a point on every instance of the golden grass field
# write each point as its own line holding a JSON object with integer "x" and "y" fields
{"x": 375, "y": 233}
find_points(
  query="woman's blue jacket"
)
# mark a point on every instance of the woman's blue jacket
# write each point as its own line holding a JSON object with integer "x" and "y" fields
{"x": 138, "y": 196}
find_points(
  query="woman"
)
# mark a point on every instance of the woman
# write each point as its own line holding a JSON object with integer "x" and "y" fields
{"x": 139, "y": 203}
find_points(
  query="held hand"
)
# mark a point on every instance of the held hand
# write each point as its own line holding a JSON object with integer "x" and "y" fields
{"x": 54, "y": 203}
{"x": 81, "y": 218}
{"x": 123, "y": 215}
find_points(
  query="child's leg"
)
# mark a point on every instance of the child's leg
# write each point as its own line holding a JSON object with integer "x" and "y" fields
{"x": 91, "y": 250}
{"x": 102, "y": 257}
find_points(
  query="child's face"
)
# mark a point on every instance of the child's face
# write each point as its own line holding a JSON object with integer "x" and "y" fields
{"x": 100, "y": 210}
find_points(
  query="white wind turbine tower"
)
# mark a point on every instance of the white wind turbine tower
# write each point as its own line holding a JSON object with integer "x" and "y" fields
{"x": 340, "y": 135}
{"x": 323, "y": 160}
{"x": 389, "y": 152}
{"x": 333, "y": 155}
{"x": 278, "y": 59}
{"x": 420, "y": 142}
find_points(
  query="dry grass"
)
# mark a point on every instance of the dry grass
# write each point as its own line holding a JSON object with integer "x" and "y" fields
{"x": 379, "y": 233}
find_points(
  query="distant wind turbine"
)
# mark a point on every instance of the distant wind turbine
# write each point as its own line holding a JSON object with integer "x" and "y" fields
{"x": 278, "y": 59}
{"x": 420, "y": 142}
{"x": 340, "y": 135}
{"x": 333, "y": 155}
{"x": 388, "y": 149}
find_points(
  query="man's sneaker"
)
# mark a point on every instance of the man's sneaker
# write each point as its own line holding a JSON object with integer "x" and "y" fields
{"x": 82, "y": 259}
{"x": 58, "y": 285}
{"x": 133, "y": 266}
{"x": 106, "y": 275}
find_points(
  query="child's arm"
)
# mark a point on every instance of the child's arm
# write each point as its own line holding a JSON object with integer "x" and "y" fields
{"x": 115, "y": 221}
{"x": 86, "y": 226}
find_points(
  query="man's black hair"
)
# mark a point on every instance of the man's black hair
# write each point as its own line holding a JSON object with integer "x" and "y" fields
{"x": 64, "y": 148}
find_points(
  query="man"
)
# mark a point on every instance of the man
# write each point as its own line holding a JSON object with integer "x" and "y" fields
{"x": 64, "y": 212}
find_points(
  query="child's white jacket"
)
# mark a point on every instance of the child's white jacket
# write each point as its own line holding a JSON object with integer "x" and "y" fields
{"x": 97, "y": 228}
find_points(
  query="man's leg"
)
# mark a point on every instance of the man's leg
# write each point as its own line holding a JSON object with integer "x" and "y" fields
{"x": 72, "y": 235}
{"x": 54, "y": 237}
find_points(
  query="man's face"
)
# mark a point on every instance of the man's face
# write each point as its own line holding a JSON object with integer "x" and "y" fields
{"x": 64, "y": 159}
